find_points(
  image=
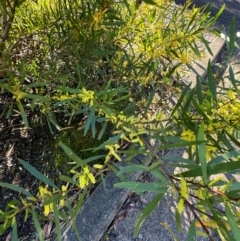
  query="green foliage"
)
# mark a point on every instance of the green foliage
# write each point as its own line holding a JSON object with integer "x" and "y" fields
{"x": 97, "y": 61}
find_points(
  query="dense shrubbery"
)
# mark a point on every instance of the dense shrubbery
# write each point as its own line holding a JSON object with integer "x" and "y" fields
{"x": 112, "y": 65}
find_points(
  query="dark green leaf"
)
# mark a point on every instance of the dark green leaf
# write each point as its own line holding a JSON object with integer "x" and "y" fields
{"x": 71, "y": 154}
{"x": 23, "y": 114}
{"x": 232, "y": 222}
{"x": 37, "y": 174}
{"x": 221, "y": 224}
{"x": 199, "y": 90}
{"x": 67, "y": 179}
{"x": 232, "y": 37}
{"x": 57, "y": 221}
{"x": 202, "y": 152}
{"x": 90, "y": 121}
{"x": 189, "y": 98}
{"x": 131, "y": 168}
{"x": 178, "y": 221}
{"x": 16, "y": 188}
{"x": 192, "y": 232}
{"x": 37, "y": 225}
{"x": 234, "y": 187}
{"x": 232, "y": 78}
{"x": 212, "y": 169}
{"x": 103, "y": 130}
{"x": 14, "y": 232}
{"x": 211, "y": 82}
{"x": 52, "y": 199}
{"x": 142, "y": 187}
{"x": 223, "y": 157}
{"x": 146, "y": 212}
{"x": 179, "y": 103}
{"x": 79, "y": 204}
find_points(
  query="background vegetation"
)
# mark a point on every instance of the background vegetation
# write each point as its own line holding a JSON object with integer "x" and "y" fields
{"x": 109, "y": 68}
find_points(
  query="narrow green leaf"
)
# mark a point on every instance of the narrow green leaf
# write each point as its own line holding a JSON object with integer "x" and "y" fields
{"x": 233, "y": 139}
{"x": 52, "y": 199}
{"x": 75, "y": 229}
{"x": 10, "y": 109}
{"x": 232, "y": 77}
{"x": 211, "y": 82}
{"x": 159, "y": 175}
{"x": 71, "y": 154}
{"x": 199, "y": 90}
{"x": 142, "y": 187}
{"x": 183, "y": 144}
{"x": 108, "y": 142}
{"x": 188, "y": 121}
{"x": 94, "y": 158}
{"x": 150, "y": 99}
{"x": 178, "y": 221}
{"x": 202, "y": 152}
{"x": 217, "y": 217}
{"x": 222, "y": 137}
{"x": 234, "y": 187}
{"x": 23, "y": 114}
{"x": 146, "y": 212}
{"x": 200, "y": 111}
{"x": 216, "y": 16}
{"x": 5, "y": 226}
{"x": 212, "y": 169}
{"x": 200, "y": 76}
{"x": 232, "y": 37}
{"x": 16, "y": 188}
{"x": 188, "y": 101}
{"x": 90, "y": 121}
{"x": 206, "y": 44}
{"x": 57, "y": 221}
{"x": 79, "y": 204}
{"x": 223, "y": 157}
{"x": 179, "y": 103}
{"x": 180, "y": 160}
{"x": 37, "y": 174}
{"x": 165, "y": 225}
{"x": 14, "y": 231}
{"x": 193, "y": 17}
{"x": 67, "y": 179}
{"x": 102, "y": 130}
{"x": 154, "y": 165}
{"x": 100, "y": 53}
{"x": 37, "y": 225}
{"x": 131, "y": 168}
{"x": 93, "y": 126}
{"x": 192, "y": 232}
{"x": 232, "y": 222}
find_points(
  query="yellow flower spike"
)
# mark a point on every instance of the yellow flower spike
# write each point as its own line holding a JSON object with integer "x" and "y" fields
{"x": 86, "y": 170}
{"x": 46, "y": 210}
{"x": 87, "y": 96}
{"x": 184, "y": 57}
{"x": 98, "y": 166}
{"x": 82, "y": 181}
{"x": 64, "y": 189}
{"x": 159, "y": 116}
{"x": 92, "y": 178}
{"x": 188, "y": 135}
{"x": 231, "y": 95}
